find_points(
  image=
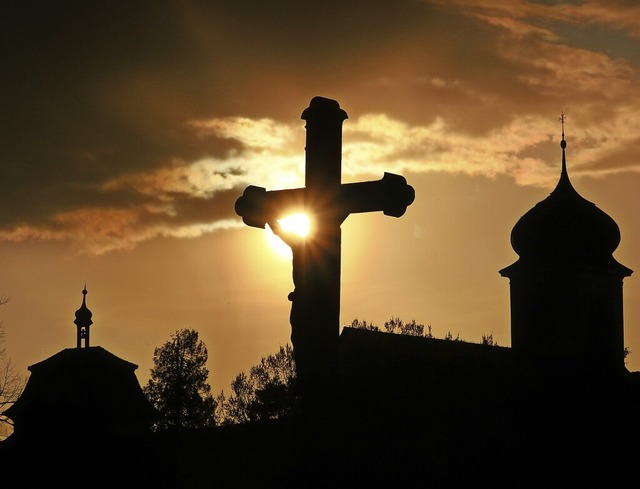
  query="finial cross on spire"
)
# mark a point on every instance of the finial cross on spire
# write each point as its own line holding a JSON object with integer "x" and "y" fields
{"x": 562, "y": 119}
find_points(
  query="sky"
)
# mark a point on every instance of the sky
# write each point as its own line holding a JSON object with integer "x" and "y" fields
{"x": 129, "y": 130}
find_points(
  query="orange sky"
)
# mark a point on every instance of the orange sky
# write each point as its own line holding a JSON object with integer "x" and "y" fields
{"x": 129, "y": 132}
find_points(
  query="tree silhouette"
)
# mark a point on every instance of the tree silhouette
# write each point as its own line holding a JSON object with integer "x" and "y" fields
{"x": 395, "y": 325}
{"x": 11, "y": 383}
{"x": 267, "y": 393}
{"x": 178, "y": 386}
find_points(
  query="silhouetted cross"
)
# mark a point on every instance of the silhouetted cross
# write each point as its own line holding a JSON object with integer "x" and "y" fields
{"x": 315, "y": 309}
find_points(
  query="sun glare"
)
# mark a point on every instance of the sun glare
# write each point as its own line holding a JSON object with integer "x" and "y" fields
{"x": 296, "y": 223}
{"x": 299, "y": 224}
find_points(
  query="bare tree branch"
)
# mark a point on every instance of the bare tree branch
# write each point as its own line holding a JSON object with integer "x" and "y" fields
{"x": 11, "y": 383}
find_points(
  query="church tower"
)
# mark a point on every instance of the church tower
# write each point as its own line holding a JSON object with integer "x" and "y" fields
{"x": 566, "y": 286}
{"x": 83, "y": 321}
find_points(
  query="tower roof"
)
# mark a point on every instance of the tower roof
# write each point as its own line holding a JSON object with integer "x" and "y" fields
{"x": 565, "y": 228}
{"x": 84, "y": 314}
{"x": 79, "y": 386}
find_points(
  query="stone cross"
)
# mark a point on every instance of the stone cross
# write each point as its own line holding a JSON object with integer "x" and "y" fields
{"x": 315, "y": 308}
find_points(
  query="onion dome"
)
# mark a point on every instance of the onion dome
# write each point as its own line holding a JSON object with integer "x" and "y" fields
{"x": 566, "y": 228}
{"x": 83, "y": 315}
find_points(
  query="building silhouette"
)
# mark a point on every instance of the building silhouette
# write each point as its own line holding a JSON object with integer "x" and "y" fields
{"x": 85, "y": 392}
{"x": 558, "y": 407}
{"x": 566, "y": 286}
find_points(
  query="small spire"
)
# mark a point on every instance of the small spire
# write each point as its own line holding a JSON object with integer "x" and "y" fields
{"x": 564, "y": 187}
{"x": 563, "y": 143}
{"x": 83, "y": 321}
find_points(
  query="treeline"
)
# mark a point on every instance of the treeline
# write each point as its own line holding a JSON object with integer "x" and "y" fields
{"x": 395, "y": 325}
{"x": 178, "y": 386}
{"x": 179, "y": 390}
{"x": 267, "y": 393}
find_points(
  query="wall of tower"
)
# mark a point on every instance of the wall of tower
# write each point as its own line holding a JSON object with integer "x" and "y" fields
{"x": 573, "y": 318}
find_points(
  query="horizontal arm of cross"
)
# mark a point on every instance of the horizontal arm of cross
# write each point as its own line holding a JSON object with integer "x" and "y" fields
{"x": 391, "y": 195}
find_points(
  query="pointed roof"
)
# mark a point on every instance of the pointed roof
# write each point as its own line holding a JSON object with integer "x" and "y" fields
{"x": 565, "y": 228}
{"x": 84, "y": 314}
{"x": 80, "y": 384}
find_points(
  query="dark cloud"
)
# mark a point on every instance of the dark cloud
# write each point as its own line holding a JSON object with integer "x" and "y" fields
{"x": 625, "y": 156}
{"x": 92, "y": 90}
{"x": 202, "y": 211}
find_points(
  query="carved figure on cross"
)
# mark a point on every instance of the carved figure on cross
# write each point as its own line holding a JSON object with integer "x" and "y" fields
{"x": 315, "y": 302}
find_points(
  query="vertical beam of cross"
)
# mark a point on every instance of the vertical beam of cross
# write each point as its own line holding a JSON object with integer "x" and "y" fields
{"x": 315, "y": 309}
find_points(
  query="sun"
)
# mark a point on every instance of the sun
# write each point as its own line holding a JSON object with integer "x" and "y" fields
{"x": 299, "y": 224}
